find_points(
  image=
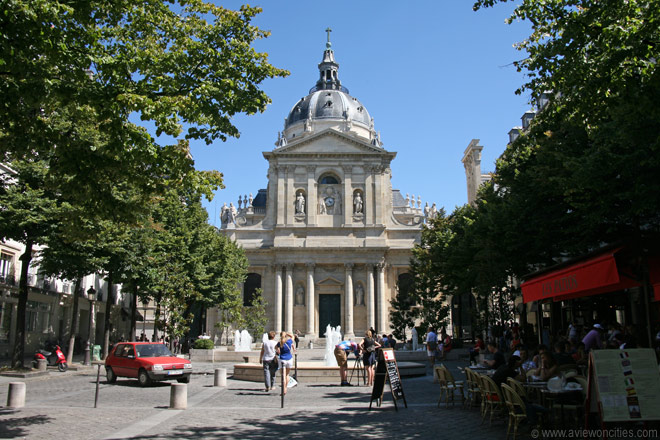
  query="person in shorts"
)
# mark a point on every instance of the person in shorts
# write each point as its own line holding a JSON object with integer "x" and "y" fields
{"x": 368, "y": 347}
{"x": 431, "y": 345}
{"x": 285, "y": 349}
{"x": 342, "y": 350}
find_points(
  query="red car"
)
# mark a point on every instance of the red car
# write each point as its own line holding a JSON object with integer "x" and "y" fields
{"x": 147, "y": 361}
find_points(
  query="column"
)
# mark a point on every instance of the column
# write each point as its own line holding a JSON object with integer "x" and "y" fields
{"x": 369, "y": 205}
{"x": 348, "y": 195}
{"x": 281, "y": 202}
{"x": 382, "y": 307}
{"x": 290, "y": 195}
{"x": 312, "y": 198}
{"x": 288, "y": 323}
{"x": 371, "y": 316}
{"x": 349, "y": 301}
{"x": 277, "y": 323}
{"x": 310, "y": 300}
{"x": 378, "y": 195}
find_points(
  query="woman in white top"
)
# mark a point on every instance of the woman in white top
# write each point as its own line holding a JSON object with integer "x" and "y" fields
{"x": 268, "y": 360}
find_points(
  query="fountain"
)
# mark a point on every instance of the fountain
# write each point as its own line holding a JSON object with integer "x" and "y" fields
{"x": 332, "y": 338}
{"x": 246, "y": 341}
{"x": 242, "y": 341}
{"x": 414, "y": 339}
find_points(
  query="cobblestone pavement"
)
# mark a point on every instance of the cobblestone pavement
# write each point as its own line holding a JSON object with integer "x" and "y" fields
{"x": 62, "y": 405}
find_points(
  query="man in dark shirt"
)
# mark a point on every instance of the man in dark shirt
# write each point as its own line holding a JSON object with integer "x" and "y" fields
{"x": 498, "y": 357}
{"x": 510, "y": 369}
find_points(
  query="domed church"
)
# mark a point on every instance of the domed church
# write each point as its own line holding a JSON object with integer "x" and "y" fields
{"x": 329, "y": 240}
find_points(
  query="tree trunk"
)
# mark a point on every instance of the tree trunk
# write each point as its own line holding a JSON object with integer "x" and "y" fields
{"x": 110, "y": 299}
{"x": 19, "y": 340}
{"x": 134, "y": 313}
{"x": 75, "y": 322}
{"x": 156, "y": 321}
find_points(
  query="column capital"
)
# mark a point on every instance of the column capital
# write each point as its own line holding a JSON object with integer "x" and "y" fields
{"x": 381, "y": 266}
{"x": 310, "y": 266}
{"x": 289, "y": 266}
{"x": 275, "y": 267}
{"x": 349, "y": 266}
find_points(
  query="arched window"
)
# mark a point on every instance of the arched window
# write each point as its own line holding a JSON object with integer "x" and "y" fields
{"x": 252, "y": 283}
{"x": 328, "y": 179}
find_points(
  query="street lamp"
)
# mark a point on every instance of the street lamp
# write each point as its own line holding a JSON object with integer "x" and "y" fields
{"x": 91, "y": 295}
{"x": 144, "y": 318}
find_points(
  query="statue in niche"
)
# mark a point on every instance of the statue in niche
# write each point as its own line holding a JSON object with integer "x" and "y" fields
{"x": 300, "y": 296}
{"x": 322, "y": 209}
{"x": 357, "y": 203}
{"x": 300, "y": 203}
{"x": 359, "y": 295}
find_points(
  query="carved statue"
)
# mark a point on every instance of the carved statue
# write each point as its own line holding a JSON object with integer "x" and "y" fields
{"x": 300, "y": 203}
{"x": 427, "y": 210}
{"x": 359, "y": 295}
{"x": 300, "y": 296}
{"x": 357, "y": 203}
{"x": 231, "y": 213}
{"x": 434, "y": 212}
{"x": 322, "y": 209}
{"x": 223, "y": 214}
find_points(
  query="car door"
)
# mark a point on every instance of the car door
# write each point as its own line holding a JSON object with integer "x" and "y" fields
{"x": 131, "y": 363}
{"x": 118, "y": 361}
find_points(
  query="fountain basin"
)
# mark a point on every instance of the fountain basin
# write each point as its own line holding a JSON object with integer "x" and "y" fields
{"x": 316, "y": 372}
{"x": 223, "y": 355}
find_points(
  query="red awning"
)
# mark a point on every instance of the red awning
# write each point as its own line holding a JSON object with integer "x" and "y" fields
{"x": 654, "y": 276}
{"x": 598, "y": 274}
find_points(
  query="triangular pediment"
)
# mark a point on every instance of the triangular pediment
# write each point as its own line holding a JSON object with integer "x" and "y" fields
{"x": 330, "y": 281}
{"x": 329, "y": 141}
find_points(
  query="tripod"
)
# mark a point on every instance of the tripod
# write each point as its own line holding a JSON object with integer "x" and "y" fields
{"x": 360, "y": 367}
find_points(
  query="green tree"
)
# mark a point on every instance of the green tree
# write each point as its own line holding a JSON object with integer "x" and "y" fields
{"x": 402, "y": 315}
{"x": 27, "y": 216}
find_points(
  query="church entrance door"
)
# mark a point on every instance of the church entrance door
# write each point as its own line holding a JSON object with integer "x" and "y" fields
{"x": 329, "y": 312}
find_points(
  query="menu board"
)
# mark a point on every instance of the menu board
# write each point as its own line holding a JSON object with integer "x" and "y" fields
{"x": 627, "y": 384}
{"x": 387, "y": 368}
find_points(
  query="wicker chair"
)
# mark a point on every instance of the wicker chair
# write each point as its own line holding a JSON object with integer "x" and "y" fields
{"x": 516, "y": 408}
{"x": 492, "y": 397}
{"x": 473, "y": 388}
{"x": 517, "y": 387}
{"x": 448, "y": 387}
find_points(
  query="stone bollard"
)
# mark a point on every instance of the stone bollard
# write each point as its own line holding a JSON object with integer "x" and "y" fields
{"x": 220, "y": 377}
{"x": 178, "y": 396}
{"x": 16, "y": 395}
{"x": 42, "y": 364}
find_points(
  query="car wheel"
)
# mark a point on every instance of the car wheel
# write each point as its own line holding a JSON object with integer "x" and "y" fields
{"x": 110, "y": 375}
{"x": 143, "y": 378}
{"x": 184, "y": 379}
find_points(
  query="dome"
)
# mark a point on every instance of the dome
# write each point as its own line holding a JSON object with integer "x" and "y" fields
{"x": 328, "y": 103}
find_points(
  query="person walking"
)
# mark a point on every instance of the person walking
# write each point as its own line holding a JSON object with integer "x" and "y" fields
{"x": 368, "y": 347}
{"x": 285, "y": 350}
{"x": 268, "y": 359}
{"x": 431, "y": 345}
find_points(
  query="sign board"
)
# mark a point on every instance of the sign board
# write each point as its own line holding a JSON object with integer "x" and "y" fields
{"x": 625, "y": 384}
{"x": 387, "y": 368}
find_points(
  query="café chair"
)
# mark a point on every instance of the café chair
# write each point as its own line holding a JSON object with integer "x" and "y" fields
{"x": 448, "y": 387}
{"x": 516, "y": 408}
{"x": 517, "y": 387}
{"x": 473, "y": 388}
{"x": 493, "y": 398}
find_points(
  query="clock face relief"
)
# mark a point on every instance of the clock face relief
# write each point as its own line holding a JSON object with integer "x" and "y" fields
{"x": 329, "y": 201}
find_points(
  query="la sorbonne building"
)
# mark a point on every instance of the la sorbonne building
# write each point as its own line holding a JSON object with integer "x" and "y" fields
{"x": 329, "y": 239}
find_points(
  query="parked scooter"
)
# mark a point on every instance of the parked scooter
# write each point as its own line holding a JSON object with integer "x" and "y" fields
{"x": 52, "y": 358}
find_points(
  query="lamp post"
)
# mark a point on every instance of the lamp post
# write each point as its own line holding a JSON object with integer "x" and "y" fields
{"x": 144, "y": 318}
{"x": 91, "y": 294}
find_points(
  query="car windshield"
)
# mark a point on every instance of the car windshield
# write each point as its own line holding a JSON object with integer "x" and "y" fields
{"x": 152, "y": 350}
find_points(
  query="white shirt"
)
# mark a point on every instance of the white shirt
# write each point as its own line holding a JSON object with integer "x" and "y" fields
{"x": 269, "y": 350}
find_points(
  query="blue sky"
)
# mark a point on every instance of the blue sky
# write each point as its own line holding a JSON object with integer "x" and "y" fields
{"x": 432, "y": 74}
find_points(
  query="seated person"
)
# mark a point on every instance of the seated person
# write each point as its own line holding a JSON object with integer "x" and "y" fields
{"x": 479, "y": 346}
{"x": 498, "y": 357}
{"x": 561, "y": 356}
{"x": 549, "y": 367}
{"x": 510, "y": 369}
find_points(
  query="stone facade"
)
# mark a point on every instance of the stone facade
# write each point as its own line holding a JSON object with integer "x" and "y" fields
{"x": 329, "y": 237}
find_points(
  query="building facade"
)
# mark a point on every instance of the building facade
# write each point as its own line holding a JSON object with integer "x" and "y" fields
{"x": 329, "y": 239}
